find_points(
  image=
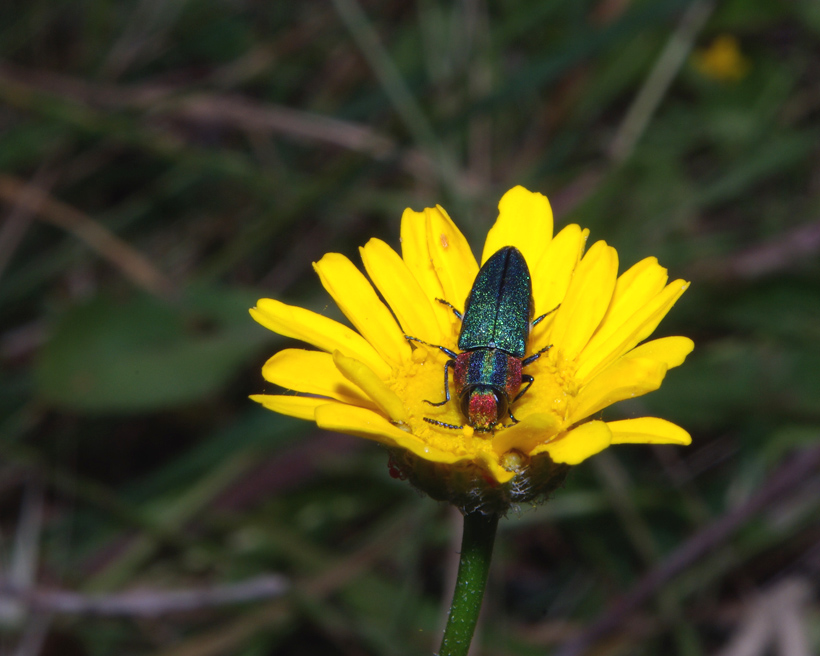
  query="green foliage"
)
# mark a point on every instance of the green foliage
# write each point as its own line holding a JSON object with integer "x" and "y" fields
{"x": 170, "y": 129}
{"x": 142, "y": 354}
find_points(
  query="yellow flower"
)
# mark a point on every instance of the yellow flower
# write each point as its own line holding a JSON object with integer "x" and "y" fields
{"x": 372, "y": 382}
{"x": 722, "y": 60}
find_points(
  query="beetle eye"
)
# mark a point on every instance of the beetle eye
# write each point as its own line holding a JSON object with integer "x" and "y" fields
{"x": 501, "y": 405}
{"x": 465, "y": 404}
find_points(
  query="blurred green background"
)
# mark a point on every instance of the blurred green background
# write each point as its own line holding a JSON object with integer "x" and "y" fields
{"x": 164, "y": 164}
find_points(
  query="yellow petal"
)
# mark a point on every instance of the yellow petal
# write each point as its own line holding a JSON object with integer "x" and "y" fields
{"x": 403, "y": 293}
{"x": 524, "y": 221}
{"x": 634, "y": 289}
{"x": 578, "y": 444}
{"x": 358, "y": 301}
{"x": 648, "y": 430}
{"x": 373, "y": 426}
{"x": 301, "y": 407}
{"x": 312, "y": 372}
{"x": 489, "y": 462}
{"x": 361, "y": 375}
{"x": 625, "y": 379}
{"x": 453, "y": 260}
{"x": 416, "y": 255}
{"x": 672, "y": 351}
{"x": 524, "y": 436}
{"x": 323, "y": 333}
{"x": 587, "y": 300}
{"x": 634, "y": 330}
{"x": 552, "y": 275}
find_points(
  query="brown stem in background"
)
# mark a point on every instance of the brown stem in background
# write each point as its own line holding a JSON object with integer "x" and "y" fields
{"x": 772, "y": 256}
{"x": 147, "y": 603}
{"x": 790, "y": 476}
{"x": 133, "y": 264}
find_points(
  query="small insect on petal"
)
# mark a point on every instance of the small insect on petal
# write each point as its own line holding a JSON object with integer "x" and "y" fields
{"x": 495, "y": 329}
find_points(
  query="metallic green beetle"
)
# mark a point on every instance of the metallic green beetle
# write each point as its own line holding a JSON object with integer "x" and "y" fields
{"x": 495, "y": 329}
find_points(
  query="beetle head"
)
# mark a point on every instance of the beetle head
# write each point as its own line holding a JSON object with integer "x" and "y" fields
{"x": 483, "y": 408}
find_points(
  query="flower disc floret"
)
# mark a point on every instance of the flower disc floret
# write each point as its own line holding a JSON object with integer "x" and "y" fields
{"x": 372, "y": 382}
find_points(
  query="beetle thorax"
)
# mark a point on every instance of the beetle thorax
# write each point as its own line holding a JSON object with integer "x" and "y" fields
{"x": 491, "y": 368}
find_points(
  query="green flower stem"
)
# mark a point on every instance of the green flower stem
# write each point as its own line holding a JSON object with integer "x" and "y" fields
{"x": 476, "y": 553}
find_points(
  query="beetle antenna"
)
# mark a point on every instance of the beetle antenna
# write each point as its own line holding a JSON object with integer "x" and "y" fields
{"x": 452, "y": 307}
{"x": 436, "y": 422}
{"x": 443, "y": 349}
{"x": 543, "y": 316}
{"x": 535, "y": 356}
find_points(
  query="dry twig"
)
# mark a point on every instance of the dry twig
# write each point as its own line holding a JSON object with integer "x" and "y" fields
{"x": 147, "y": 603}
{"x": 227, "y": 110}
{"x": 779, "y": 254}
{"x": 132, "y": 263}
{"x": 774, "y": 618}
{"x": 784, "y": 480}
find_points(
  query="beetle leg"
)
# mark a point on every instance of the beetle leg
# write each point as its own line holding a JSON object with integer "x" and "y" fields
{"x": 443, "y": 349}
{"x": 525, "y": 378}
{"x": 450, "y": 305}
{"x": 447, "y": 365}
{"x": 436, "y": 422}
{"x": 543, "y": 316}
{"x": 535, "y": 356}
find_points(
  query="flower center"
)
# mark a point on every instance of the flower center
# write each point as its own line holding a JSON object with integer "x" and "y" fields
{"x": 422, "y": 379}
